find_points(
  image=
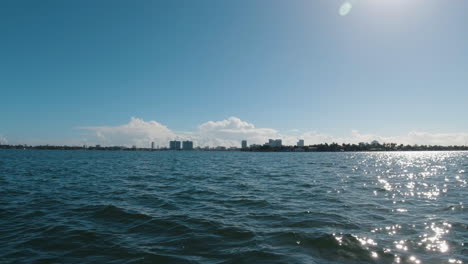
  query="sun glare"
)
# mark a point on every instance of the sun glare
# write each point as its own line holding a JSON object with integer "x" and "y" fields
{"x": 345, "y": 8}
{"x": 376, "y": 6}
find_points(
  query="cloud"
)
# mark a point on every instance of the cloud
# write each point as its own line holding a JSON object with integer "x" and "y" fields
{"x": 137, "y": 132}
{"x": 3, "y": 140}
{"x": 231, "y": 131}
{"x": 311, "y": 137}
{"x": 411, "y": 138}
{"x": 424, "y": 138}
{"x": 141, "y": 133}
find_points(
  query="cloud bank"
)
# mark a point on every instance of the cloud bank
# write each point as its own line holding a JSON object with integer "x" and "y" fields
{"x": 137, "y": 132}
{"x": 231, "y": 131}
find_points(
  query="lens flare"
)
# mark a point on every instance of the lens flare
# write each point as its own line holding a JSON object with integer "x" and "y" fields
{"x": 345, "y": 8}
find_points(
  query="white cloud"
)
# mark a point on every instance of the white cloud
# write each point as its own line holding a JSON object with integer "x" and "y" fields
{"x": 3, "y": 140}
{"x": 411, "y": 138}
{"x": 310, "y": 138}
{"x": 425, "y": 138}
{"x": 137, "y": 132}
{"x": 231, "y": 131}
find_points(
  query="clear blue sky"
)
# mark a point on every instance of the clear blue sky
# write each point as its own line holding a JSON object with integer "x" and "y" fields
{"x": 388, "y": 67}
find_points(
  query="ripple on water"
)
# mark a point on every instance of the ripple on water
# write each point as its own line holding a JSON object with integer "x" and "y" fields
{"x": 232, "y": 207}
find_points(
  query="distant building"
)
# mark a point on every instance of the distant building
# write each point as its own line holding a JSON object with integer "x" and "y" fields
{"x": 300, "y": 143}
{"x": 174, "y": 145}
{"x": 187, "y": 145}
{"x": 274, "y": 143}
{"x": 278, "y": 143}
{"x": 244, "y": 144}
{"x": 152, "y": 145}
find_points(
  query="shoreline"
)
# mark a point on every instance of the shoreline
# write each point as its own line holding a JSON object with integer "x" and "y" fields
{"x": 261, "y": 150}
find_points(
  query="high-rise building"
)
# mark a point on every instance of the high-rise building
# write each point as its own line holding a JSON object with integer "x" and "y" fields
{"x": 187, "y": 145}
{"x": 152, "y": 145}
{"x": 174, "y": 145}
{"x": 244, "y": 144}
{"x": 278, "y": 143}
{"x": 274, "y": 143}
{"x": 300, "y": 143}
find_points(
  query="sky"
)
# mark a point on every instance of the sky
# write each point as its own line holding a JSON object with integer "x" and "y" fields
{"x": 116, "y": 72}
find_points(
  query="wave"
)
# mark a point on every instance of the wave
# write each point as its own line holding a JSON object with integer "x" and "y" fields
{"x": 343, "y": 248}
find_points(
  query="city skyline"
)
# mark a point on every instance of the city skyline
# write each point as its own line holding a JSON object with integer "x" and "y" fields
{"x": 229, "y": 133}
{"x": 219, "y": 72}
{"x": 273, "y": 145}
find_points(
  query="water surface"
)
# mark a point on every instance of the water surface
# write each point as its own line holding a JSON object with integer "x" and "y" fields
{"x": 233, "y": 207}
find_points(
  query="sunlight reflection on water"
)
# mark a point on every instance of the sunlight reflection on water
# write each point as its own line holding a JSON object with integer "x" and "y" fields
{"x": 414, "y": 179}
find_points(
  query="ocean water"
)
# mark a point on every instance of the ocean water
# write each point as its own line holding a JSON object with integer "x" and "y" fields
{"x": 233, "y": 207}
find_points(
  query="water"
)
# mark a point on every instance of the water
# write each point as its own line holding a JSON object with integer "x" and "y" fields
{"x": 233, "y": 207}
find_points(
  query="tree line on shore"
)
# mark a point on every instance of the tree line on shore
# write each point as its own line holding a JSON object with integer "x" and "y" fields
{"x": 335, "y": 147}
{"x": 325, "y": 147}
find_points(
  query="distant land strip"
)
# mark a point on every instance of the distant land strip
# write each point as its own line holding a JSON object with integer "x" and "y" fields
{"x": 325, "y": 147}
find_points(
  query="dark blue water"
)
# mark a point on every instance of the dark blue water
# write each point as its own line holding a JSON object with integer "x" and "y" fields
{"x": 233, "y": 207}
